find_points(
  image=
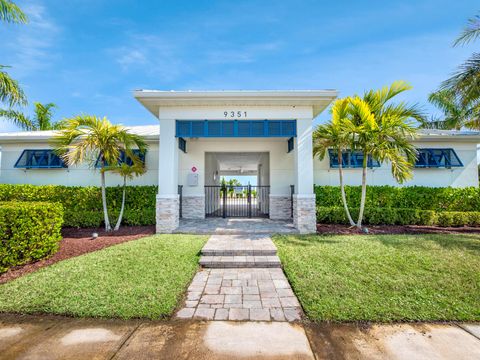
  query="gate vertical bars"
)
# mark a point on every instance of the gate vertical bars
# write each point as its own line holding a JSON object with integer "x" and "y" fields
{"x": 237, "y": 201}
{"x": 292, "y": 191}
{"x": 180, "y": 198}
{"x": 224, "y": 205}
{"x": 249, "y": 200}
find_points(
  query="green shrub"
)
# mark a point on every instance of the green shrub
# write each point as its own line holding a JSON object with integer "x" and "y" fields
{"x": 392, "y": 216}
{"x": 28, "y": 231}
{"x": 410, "y": 197}
{"x": 83, "y": 205}
{"x": 377, "y": 216}
{"x": 458, "y": 218}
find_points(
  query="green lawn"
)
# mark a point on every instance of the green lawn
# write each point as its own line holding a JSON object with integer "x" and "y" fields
{"x": 384, "y": 277}
{"x": 142, "y": 278}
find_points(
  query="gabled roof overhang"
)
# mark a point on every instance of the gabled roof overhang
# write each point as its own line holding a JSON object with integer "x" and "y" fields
{"x": 317, "y": 99}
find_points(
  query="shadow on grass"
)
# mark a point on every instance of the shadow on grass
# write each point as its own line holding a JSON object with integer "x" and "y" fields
{"x": 450, "y": 242}
{"x": 308, "y": 240}
{"x": 467, "y": 242}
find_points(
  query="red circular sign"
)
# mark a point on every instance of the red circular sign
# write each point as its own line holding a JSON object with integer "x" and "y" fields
{"x": 194, "y": 169}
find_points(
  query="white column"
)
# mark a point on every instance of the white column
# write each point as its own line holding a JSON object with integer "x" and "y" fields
{"x": 304, "y": 212}
{"x": 304, "y": 157}
{"x": 168, "y": 159}
{"x": 167, "y": 206}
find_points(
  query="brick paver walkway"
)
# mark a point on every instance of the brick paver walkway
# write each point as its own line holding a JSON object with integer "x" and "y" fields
{"x": 241, "y": 294}
{"x": 231, "y": 293}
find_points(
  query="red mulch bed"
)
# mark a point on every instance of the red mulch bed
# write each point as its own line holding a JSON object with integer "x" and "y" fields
{"x": 336, "y": 229}
{"x": 79, "y": 241}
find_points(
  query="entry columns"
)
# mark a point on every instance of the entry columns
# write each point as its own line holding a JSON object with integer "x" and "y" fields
{"x": 304, "y": 212}
{"x": 167, "y": 205}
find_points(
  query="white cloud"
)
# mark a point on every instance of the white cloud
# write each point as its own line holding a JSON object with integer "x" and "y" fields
{"x": 226, "y": 54}
{"x": 31, "y": 46}
{"x": 151, "y": 54}
{"x": 130, "y": 57}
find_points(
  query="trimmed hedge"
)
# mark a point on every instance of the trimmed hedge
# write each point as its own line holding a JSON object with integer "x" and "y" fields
{"x": 29, "y": 231}
{"x": 411, "y": 197}
{"x": 83, "y": 205}
{"x": 384, "y": 204}
{"x": 396, "y": 216}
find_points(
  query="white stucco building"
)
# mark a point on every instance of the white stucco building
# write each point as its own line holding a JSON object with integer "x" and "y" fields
{"x": 268, "y": 134}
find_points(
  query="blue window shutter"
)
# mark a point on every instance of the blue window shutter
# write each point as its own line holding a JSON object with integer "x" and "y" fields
{"x": 228, "y": 128}
{"x": 197, "y": 129}
{"x": 243, "y": 128}
{"x": 351, "y": 160}
{"x": 257, "y": 129}
{"x": 274, "y": 128}
{"x": 437, "y": 158}
{"x": 236, "y": 128}
{"x": 39, "y": 159}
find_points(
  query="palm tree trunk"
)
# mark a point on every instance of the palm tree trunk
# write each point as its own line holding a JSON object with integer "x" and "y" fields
{"x": 120, "y": 216}
{"x": 104, "y": 202}
{"x": 342, "y": 189}
{"x": 364, "y": 190}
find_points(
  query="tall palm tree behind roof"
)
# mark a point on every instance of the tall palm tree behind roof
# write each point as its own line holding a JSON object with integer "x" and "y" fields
{"x": 466, "y": 80}
{"x": 456, "y": 115}
{"x": 41, "y": 120}
{"x": 10, "y": 91}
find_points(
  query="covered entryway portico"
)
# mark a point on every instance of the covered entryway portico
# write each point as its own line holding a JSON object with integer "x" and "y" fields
{"x": 249, "y": 196}
{"x": 196, "y": 124}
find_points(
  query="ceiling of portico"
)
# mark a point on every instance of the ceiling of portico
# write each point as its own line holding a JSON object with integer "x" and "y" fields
{"x": 240, "y": 161}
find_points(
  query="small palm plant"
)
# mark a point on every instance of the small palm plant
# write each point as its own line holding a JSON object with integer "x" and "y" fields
{"x": 42, "y": 118}
{"x": 86, "y": 138}
{"x": 383, "y": 130}
{"x": 127, "y": 172}
{"x": 334, "y": 135}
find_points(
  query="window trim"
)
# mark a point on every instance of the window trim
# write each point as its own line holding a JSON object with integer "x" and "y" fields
{"x": 61, "y": 166}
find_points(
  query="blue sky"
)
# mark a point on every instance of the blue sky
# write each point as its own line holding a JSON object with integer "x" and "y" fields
{"x": 89, "y": 55}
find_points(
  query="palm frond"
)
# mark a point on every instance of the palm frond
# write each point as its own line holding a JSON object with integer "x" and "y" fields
{"x": 17, "y": 118}
{"x": 10, "y": 91}
{"x": 43, "y": 116}
{"x": 378, "y": 98}
{"x": 470, "y": 33}
{"x": 445, "y": 100}
{"x": 362, "y": 110}
{"x": 85, "y": 137}
{"x": 466, "y": 81}
{"x": 11, "y": 13}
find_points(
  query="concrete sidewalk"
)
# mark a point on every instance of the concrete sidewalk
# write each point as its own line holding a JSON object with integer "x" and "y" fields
{"x": 48, "y": 337}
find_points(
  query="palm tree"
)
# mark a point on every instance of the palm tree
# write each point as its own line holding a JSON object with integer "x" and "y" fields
{"x": 466, "y": 80}
{"x": 382, "y": 130}
{"x": 126, "y": 171}
{"x": 86, "y": 138}
{"x": 10, "y": 92}
{"x": 42, "y": 119}
{"x": 333, "y": 135}
{"x": 456, "y": 114}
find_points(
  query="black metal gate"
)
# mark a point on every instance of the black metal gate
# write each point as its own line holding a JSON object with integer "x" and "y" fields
{"x": 237, "y": 201}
